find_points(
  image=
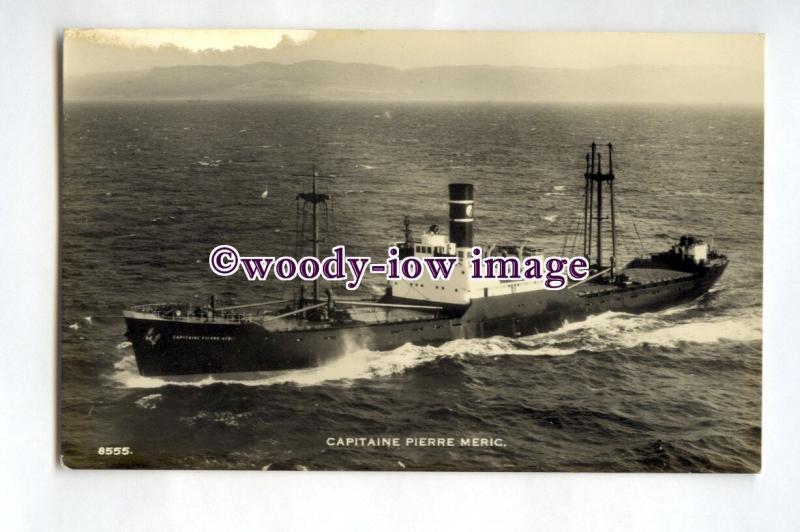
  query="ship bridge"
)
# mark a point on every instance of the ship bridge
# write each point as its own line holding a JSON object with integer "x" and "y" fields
{"x": 460, "y": 288}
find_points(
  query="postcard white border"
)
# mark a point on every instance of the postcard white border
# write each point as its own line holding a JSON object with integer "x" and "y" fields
{"x": 39, "y": 495}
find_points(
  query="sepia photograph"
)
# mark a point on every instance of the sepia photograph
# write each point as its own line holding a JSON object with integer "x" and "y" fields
{"x": 391, "y": 250}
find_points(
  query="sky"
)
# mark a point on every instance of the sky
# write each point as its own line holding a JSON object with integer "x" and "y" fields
{"x": 194, "y": 40}
{"x": 104, "y": 50}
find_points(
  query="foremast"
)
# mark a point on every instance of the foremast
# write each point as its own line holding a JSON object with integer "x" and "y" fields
{"x": 315, "y": 199}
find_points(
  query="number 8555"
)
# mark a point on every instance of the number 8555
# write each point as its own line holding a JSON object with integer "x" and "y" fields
{"x": 118, "y": 451}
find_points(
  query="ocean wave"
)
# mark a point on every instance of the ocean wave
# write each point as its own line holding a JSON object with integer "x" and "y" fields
{"x": 734, "y": 330}
{"x": 149, "y": 402}
{"x": 210, "y": 418}
{"x": 619, "y": 330}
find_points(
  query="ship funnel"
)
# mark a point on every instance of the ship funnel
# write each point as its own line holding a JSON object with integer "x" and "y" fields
{"x": 461, "y": 214}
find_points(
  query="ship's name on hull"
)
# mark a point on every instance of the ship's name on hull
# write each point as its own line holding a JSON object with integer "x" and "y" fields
{"x": 202, "y": 337}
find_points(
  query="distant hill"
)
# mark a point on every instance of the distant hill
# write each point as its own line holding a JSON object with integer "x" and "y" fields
{"x": 325, "y": 80}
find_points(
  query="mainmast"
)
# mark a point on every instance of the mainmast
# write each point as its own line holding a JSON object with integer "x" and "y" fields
{"x": 594, "y": 180}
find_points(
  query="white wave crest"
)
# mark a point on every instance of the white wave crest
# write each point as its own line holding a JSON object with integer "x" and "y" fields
{"x": 736, "y": 330}
{"x": 149, "y": 402}
{"x": 664, "y": 329}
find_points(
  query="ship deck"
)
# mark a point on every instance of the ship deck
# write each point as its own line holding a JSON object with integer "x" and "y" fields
{"x": 637, "y": 276}
{"x": 358, "y": 316}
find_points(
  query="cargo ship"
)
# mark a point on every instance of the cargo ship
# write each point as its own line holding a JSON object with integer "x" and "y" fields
{"x": 314, "y": 328}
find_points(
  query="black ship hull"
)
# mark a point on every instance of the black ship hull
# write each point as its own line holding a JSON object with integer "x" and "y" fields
{"x": 180, "y": 347}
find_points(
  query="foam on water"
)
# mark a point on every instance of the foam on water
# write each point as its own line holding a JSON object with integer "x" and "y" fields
{"x": 149, "y": 402}
{"x": 664, "y": 329}
{"x": 744, "y": 329}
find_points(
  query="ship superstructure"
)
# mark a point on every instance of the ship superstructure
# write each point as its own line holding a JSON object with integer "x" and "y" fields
{"x": 461, "y": 288}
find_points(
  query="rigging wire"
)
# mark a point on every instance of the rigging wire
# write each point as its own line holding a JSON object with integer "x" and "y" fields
{"x": 575, "y": 238}
{"x": 640, "y": 239}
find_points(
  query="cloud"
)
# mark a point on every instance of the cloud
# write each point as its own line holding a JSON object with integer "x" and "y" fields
{"x": 190, "y": 39}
